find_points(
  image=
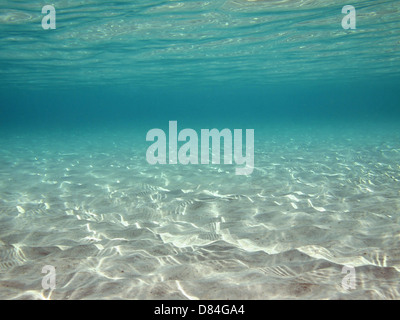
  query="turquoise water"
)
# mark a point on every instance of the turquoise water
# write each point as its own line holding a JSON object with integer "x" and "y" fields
{"x": 77, "y": 192}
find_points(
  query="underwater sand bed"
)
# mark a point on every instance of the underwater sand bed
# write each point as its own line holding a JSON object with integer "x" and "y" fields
{"x": 114, "y": 226}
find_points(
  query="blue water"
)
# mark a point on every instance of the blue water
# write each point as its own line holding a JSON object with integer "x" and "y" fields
{"x": 77, "y": 193}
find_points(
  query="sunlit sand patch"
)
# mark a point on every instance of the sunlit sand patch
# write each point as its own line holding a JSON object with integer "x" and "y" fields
{"x": 296, "y": 221}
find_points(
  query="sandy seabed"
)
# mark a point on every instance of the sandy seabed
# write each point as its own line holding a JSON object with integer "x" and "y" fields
{"x": 115, "y": 227}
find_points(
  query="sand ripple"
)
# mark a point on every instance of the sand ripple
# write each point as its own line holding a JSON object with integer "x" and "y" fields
{"x": 115, "y": 227}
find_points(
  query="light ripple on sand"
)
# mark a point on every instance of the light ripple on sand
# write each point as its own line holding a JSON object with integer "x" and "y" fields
{"x": 116, "y": 227}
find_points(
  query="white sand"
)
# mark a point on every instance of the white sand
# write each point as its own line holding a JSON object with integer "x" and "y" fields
{"x": 116, "y": 227}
